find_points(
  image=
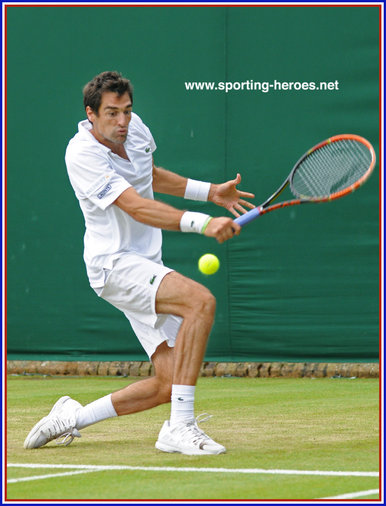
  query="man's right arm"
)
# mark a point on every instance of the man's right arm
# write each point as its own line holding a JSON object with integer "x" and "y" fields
{"x": 151, "y": 212}
{"x": 160, "y": 215}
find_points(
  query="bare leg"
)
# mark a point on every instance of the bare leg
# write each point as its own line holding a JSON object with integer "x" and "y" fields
{"x": 151, "y": 392}
{"x": 184, "y": 297}
{"x": 177, "y": 368}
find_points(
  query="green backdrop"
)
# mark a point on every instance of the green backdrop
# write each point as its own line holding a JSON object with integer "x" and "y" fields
{"x": 301, "y": 284}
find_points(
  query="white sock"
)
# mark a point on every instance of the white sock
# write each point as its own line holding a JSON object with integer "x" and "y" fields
{"x": 182, "y": 403}
{"x": 95, "y": 412}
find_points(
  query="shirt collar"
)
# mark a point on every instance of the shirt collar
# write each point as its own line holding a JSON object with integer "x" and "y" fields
{"x": 84, "y": 128}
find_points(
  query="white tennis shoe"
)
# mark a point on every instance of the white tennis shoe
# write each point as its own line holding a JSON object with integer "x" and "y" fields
{"x": 60, "y": 422}
{"x": 187, "y": 438}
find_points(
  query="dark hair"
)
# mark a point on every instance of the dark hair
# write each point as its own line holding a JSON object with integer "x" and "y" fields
{"x": 106, "y": 81}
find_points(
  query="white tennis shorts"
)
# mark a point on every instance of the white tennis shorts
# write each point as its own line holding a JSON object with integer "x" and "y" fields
{"x": 131, "y": 286}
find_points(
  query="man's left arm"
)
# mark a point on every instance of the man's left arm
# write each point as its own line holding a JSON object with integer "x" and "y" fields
{"x": 168, "y": 182}
{"x": 225, "y": 195}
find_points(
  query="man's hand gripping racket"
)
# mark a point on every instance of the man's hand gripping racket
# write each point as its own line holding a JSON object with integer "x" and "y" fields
{"x": 330, "y": 170}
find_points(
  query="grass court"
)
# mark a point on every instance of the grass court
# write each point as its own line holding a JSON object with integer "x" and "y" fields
{"x": 286, "y": 439}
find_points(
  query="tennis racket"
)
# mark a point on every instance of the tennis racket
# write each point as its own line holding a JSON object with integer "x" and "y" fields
{"x": 330, "y": 170}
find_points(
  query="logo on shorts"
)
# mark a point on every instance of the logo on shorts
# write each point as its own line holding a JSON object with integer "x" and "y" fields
{"x": 152, "y": 279}
{"x": 105, "y": 190}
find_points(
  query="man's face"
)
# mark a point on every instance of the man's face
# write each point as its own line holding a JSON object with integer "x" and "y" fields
{"x": 110, "y": 125}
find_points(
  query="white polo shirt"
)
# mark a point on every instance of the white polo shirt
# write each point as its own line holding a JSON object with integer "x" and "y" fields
{"x": 98, "y": 177}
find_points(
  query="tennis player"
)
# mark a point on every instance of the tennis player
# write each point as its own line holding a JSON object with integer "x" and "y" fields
{"x": 111, "y": 168}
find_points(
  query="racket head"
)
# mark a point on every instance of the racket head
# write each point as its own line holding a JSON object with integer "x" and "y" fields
{"x": 333, "y": 168}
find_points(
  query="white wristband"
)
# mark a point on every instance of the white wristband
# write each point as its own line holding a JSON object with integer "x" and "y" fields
{"x": 194, "y": 222}
{"x": 197, "y": 190}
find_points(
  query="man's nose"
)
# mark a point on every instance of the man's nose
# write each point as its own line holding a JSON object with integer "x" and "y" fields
{"x": 123, "y": 119}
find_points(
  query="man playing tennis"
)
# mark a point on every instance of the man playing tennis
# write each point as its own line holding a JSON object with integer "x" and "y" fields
{"x": 111, "y": 168}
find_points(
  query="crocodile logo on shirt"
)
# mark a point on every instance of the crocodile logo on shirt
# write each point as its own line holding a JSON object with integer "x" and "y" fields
{"x": 147, "y": 150}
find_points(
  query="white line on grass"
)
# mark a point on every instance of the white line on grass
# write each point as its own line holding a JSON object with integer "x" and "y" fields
{"x": 53, "y": 475}
{"x": 196, "y": 470}
{"x": 353, "y": 495}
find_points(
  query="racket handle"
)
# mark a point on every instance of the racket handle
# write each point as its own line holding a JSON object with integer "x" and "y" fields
{"x": 247, "y": 217}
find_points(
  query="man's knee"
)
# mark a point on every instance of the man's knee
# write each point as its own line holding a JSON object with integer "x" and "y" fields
{"x": 203, "y": 302}
{"x": 164, "y": 388}
{"x": 165, "y": 392}
{"x": 184, "y": 297}
{"x": 163, "y": 361}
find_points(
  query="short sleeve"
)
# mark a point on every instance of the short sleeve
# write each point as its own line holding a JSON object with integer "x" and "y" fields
{"x": 92, "y": 176}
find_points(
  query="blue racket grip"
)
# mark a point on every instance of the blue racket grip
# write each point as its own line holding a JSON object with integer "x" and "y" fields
{"x": 247, "y": 217}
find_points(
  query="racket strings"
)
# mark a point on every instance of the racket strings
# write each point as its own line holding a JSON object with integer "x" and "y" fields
{"x": 331, "y": 169}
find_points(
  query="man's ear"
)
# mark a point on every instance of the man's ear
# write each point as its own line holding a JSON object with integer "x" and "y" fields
{"x": 90, "y": 114}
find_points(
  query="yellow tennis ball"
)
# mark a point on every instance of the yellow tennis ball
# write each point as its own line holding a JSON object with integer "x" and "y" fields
{"x": 208, "y": 264}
